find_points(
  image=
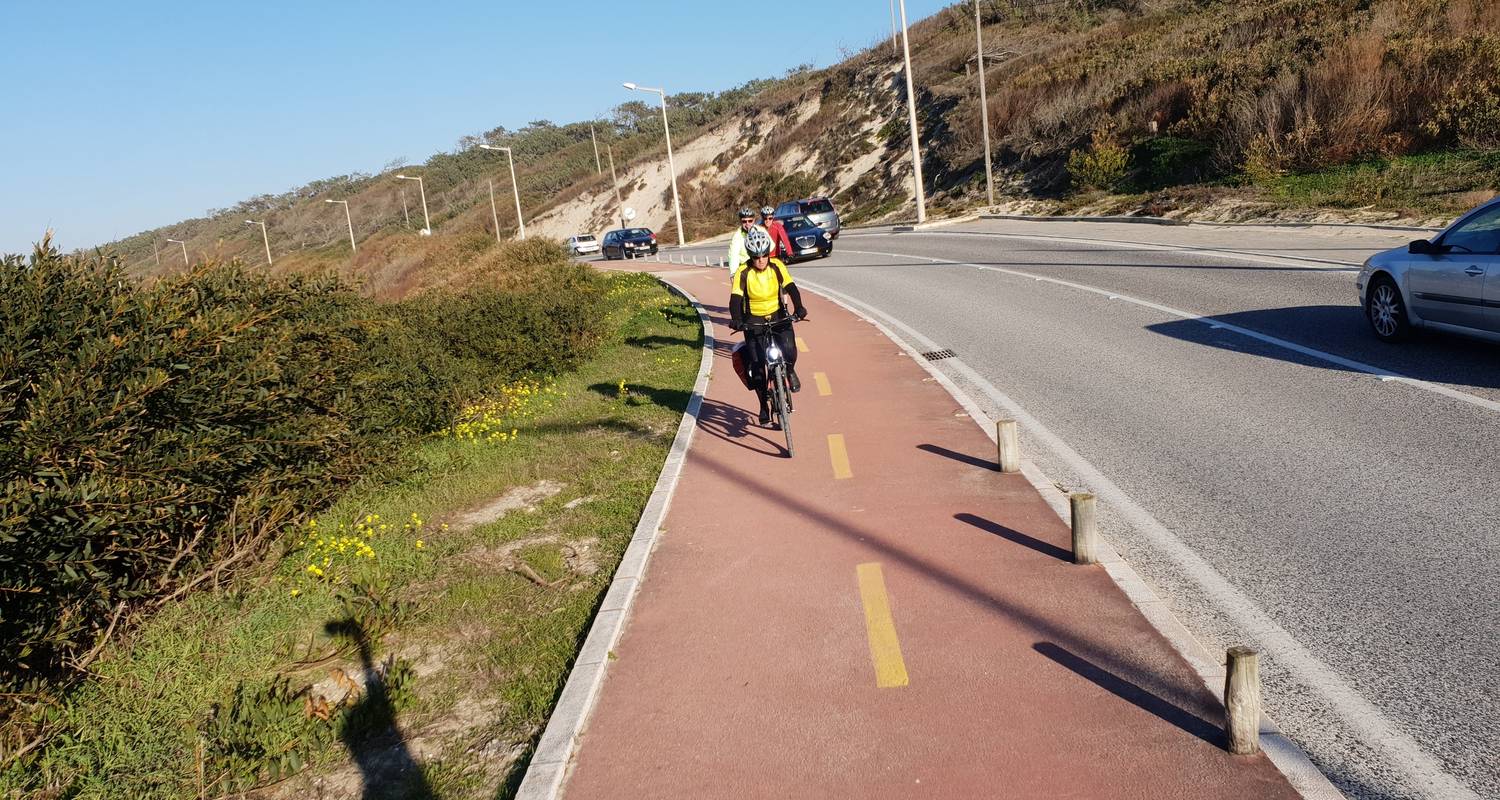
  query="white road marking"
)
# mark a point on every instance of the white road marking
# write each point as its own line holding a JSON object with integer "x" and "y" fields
{"x": 1347, "y": 363}
{"x": 1304, "y": 262}
{"x": 1401, "y": 751}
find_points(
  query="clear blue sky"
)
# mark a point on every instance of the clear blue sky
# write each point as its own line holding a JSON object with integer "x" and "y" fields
{"x": 122, "y": 116}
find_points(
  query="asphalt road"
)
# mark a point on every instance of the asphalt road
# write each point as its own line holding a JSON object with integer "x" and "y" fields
{"x": 1343, "y": 524}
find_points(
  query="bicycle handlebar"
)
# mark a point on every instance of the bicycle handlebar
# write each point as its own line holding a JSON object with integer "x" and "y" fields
{"x": 769, "y": 326}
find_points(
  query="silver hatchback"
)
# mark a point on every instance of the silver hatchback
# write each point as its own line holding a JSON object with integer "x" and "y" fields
{"x": 1448, "y": 283}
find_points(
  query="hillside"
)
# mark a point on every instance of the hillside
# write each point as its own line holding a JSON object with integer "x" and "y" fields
{"x": 1296, "y": 109}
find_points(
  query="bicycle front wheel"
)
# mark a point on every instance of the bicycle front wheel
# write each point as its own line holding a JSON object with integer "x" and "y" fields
{"x": 783, "y": 408}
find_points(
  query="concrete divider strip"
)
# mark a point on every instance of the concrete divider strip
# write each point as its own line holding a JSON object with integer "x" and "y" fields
{"x": 549, "y": 764}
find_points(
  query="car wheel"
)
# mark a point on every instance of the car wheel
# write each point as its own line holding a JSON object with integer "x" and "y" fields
{"x": 1386, "y": 311}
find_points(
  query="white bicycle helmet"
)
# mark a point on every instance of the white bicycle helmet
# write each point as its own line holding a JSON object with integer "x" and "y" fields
{"x": 758, "y": 242}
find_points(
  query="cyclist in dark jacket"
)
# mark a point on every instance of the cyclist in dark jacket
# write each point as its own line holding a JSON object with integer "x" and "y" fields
{"x": 777, "y": 229}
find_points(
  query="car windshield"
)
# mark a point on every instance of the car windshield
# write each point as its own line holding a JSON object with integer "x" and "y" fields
{"x": 798, "y": 223}
{"x": 586, "y": 238}
{"x": 637, "y": 232}
{"x": 1480, "y": 234}
{"x": 817, "y": 207}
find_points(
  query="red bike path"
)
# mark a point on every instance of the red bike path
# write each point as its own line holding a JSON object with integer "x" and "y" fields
{"x": 766, "y": 657}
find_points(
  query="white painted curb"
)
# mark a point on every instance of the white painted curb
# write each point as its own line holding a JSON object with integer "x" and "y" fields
{"x": 1300, "y": 772}
{"x": 554, "y": 752}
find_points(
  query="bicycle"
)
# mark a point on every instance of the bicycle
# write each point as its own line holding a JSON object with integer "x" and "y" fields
{"x": 761, "y": 336}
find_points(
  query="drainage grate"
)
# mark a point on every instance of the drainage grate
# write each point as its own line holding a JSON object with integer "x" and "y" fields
{"x": 939, "y": 355}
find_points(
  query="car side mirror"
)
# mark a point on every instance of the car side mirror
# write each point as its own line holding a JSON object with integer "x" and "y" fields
{"x": 1424, "y": 247}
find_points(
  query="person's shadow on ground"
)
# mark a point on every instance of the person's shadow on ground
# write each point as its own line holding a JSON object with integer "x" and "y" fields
{"x": 370, "y": 733}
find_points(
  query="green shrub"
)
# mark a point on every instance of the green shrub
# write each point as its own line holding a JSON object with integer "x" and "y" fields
{"x": 1162, "y": 161}
{"x": 1103, "y": 165}
{"x": 152, "y": 434}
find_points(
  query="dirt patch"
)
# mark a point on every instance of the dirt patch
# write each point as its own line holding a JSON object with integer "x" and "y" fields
{"x": 522, "y": 498}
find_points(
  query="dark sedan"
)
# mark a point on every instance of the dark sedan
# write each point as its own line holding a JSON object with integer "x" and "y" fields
{"x": 807, "y": 238}
{"x": 629, "y": 243}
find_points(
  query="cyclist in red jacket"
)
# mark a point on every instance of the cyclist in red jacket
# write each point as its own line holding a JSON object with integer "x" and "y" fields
{"x": 775, "y": 227}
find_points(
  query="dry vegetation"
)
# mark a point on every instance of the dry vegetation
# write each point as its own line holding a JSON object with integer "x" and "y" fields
{"x": 1291, "y": 102}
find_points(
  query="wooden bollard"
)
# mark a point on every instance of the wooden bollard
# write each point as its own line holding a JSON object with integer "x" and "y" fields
{"x": 1085, "y": 528}
{"x": 1242, "y": 700}
{"x": 1008, "y": 442}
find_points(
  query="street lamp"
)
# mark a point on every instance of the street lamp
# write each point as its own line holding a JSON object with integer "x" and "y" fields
{"x": 911, "y": 112}
{"x": 515, "y": 187}
{"x": 263, "y": 237}
{"x": 671, "y": 167}
{"x": 185, "y": 262}
{"x": 984, "y": 105}
{"x": 421, "y": 187}
{"x": 348, "y": 219}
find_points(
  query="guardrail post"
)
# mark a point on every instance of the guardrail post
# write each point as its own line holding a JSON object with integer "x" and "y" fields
{"x": 1008, "y": 442}
{"x": 1242, "y": 700}
{"x": 1085, "y": 528}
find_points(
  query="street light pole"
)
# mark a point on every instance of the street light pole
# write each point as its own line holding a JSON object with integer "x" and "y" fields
{"x": 615, "y": 182}
{"x": 598, "y": 167}
{"x": 421, "y": 187}
{"x": 185, "y": 261}
{"x": 984, "y": 106}
{"x": 671, "y": 166}
{"x": 263, "y": 237}
{"x": 515, "y": 187}
{"x": 911, "y": 112}
{"x": 347, "y": 219}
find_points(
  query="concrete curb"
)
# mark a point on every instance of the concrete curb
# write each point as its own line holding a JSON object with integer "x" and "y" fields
{"x": 1300, "y": 772}
{"x": 554, "y": 751}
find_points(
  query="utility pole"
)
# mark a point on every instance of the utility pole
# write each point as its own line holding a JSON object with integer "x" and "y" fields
{"x": 598, "y": 167}
{"x": 984, "y": 106}
{"x": 911, "y": 110}
{"x": 615, "y": 182}
{"x": 405, "y": 212}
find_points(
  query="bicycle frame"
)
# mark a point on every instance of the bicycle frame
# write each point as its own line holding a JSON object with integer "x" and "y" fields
{"x": 760, "y": 335}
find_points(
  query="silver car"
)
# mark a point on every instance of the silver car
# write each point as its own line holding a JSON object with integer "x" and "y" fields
{"x": 819, "y": 210}
{"x": 1448, "y": 283}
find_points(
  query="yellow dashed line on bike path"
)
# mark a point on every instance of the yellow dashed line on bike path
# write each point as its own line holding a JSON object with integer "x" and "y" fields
{"x": 801, "y": 345}
{"x": 839, "y": 455}
{"x": 824, "y": 389}
{"x": 885, "y": 647}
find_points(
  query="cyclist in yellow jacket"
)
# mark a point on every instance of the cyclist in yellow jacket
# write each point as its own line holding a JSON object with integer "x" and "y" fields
{"x": 755, "y": 296}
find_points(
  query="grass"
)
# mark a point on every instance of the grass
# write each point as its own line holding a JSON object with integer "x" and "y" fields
{"x": 473, "y": 651}
{"x": 1441, "y": 183}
